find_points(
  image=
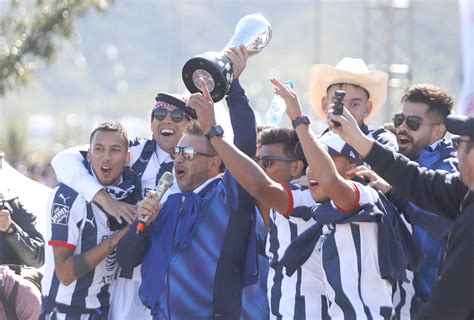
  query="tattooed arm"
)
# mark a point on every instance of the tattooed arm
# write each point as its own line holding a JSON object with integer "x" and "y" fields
{"x": 69, "y": 267}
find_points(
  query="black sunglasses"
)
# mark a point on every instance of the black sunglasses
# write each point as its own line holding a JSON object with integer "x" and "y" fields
{"x": 268, "y": 160}
{"x": 177, "y": 115}
{"x": 457, "y": 141}
{"x": 189, "y": 153}
{"x": 413, "y": 122}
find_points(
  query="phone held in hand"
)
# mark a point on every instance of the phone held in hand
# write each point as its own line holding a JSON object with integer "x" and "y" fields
{"x": 338, "y": 105}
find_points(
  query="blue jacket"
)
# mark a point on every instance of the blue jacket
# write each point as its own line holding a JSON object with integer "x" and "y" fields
{"x": 204, "y": 279}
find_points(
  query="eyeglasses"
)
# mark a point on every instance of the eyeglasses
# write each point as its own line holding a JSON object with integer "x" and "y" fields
{"x": 177, "y": 115}
{"x": 268, "y": 160}
{"x": 457, "y": 142}
{"x": 189, "y": 153}
{"x": 413, "y": 122}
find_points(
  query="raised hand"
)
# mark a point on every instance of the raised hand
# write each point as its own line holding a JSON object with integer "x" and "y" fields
{"x": 204, "y": 106}
{"x": 293, "y": 108}
{"x": 238, "y": 57}
{"x": 344, "y": 125}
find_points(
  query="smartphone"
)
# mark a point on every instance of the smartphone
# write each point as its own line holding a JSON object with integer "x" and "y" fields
{"x": 338, "y": 105}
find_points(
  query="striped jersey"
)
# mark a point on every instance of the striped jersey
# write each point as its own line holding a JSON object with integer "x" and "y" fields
{"x": 300, "y": 296}
{"x": 349, "y": 254}
{"x": 148, "y": 161}
{"x": 78, "y": 226}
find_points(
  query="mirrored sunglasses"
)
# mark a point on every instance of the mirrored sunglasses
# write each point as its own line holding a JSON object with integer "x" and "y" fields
{"x": 189, "y": 153}
{"x": 267, "y": 161}
{"x": 177, "y": 115}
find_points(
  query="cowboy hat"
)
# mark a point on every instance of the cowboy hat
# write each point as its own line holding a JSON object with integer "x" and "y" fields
{"x": 348, "y": 70}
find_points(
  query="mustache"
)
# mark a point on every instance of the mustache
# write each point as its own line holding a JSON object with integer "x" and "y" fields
{"x": 405, "y": 135}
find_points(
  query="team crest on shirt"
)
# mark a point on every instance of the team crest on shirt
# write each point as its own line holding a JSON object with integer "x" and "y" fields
{"x": 60, "y": 214}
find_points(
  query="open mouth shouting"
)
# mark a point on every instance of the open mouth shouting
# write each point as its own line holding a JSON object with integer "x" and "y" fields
{"x": 167, "y": 132}
{"x": 179, "y": 172}
{"x": 403, "y": 140}
{"x": 313, "y": 184}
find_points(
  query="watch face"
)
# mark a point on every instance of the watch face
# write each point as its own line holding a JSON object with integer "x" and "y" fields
{"x": 215, "y": 131}
{"x": 219, "y": 131}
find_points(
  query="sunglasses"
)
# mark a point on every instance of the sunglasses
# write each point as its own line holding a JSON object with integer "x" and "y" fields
{"x": 177, "y": 115}
{"x": 189, "y": 153}
{"x": 267, "y": 161}
{"x": 413, "y": 122}
{"x": 457, "y": 142}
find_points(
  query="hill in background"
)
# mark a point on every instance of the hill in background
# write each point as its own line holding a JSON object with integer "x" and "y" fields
{"x": 121, "y": 59}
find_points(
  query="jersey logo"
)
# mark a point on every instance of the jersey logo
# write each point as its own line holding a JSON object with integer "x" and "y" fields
{"x": 143, "y": 160}
{"x": 60, "y": 214}
{"x": 91, "y": 221}
{"x": 63, "y": 198}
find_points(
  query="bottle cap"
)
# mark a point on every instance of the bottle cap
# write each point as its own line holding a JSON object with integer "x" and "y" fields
{"x": 289, "y": 84}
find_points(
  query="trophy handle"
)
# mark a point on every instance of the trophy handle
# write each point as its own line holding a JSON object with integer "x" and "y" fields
{"x": 215, "y": 69}
{"x": 253, "y": 31}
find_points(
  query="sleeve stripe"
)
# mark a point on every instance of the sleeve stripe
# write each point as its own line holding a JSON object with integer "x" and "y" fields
{"x": 55, "y": 243}
{"x": 356, "y": 202}
{"x": 290, "y": 201}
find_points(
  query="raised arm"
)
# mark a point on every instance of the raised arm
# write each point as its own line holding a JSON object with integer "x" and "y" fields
{"x": 435, "y": 191}
{"x": 242, "y": 116}
{"x": 247, "y": 173}
{"x": 339, "y": 190}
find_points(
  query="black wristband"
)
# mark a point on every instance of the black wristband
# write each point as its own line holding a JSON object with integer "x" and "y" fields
{"x": 302, "y": 119}
{"x": 216, "y": 131}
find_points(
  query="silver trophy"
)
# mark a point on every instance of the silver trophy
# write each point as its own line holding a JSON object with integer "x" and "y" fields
{"x": 253, "y": 31}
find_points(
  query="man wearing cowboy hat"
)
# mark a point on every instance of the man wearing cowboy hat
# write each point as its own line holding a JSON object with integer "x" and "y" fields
{"x": 451, "y": 195}
{"x": 366, "y": 92}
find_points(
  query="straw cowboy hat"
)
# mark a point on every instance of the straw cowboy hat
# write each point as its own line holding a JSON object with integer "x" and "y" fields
{"x": 348, "y": 70}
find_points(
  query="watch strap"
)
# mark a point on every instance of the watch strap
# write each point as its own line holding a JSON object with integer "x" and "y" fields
{"x": 216, "y": 131}
{"x": 302, "y": 119}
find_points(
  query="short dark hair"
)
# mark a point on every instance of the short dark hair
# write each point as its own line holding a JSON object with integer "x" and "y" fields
{"x": 112, "y": 126}
{"x": 437, "y": 100}
{"x": 195, "y": 129}
{"x": 285, "y": 136}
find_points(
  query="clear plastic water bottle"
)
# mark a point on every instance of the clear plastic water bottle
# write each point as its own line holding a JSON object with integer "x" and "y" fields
{"x": 277, "y": 107}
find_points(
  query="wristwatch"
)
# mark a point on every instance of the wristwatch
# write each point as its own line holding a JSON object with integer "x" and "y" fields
{"x": 302, "y": 119}
{"x": 216, "y": 131}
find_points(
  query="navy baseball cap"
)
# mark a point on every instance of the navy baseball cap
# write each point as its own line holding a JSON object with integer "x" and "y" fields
{"x": 460, "y": 125}
{"x": 176, "y": 100}
{"x": 335, "y": 146}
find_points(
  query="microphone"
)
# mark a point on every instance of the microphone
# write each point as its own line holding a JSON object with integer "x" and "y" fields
{"x": 163, "y": 185}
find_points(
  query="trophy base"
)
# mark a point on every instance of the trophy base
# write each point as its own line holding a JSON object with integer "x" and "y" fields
{"x": 216, "y": 71}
